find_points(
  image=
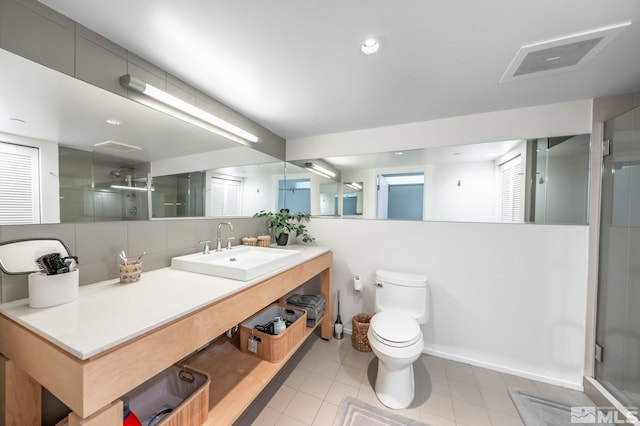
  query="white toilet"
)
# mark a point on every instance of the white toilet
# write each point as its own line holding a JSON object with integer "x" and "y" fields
{"x": 401, "y": 304}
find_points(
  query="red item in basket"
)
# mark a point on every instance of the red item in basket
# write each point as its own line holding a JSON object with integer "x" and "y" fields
{"x": 131, "y": 420}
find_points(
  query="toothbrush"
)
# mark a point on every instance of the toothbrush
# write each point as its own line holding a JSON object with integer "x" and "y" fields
{"x": 124, "y": 258}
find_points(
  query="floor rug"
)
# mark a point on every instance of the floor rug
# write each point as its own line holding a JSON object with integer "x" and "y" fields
{"x": 536, "y": 409}
{"x": 353, "y": 412}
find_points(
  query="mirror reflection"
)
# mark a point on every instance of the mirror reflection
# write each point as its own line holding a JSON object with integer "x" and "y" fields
{"x": 94, "y": 155}
{"x": 87, "y": 141}
{"x": 541, "y": 180}
{"x": 223, "y": 192}
{"x": 98, "y": 187}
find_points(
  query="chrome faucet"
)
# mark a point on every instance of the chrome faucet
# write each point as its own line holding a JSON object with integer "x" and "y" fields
{"x": 206, "y": 246}
{"x": 218, "y": 242}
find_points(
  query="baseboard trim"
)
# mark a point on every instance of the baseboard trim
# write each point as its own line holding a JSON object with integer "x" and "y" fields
{"x": 502, "y": 369}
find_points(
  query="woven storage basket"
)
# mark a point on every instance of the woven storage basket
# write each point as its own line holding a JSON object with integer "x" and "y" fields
{"x": 264, "y": 241}
{"x": 360, "y": 327}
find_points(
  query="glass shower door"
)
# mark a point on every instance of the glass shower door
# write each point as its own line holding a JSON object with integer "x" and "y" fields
{"x": 618, "y": 318}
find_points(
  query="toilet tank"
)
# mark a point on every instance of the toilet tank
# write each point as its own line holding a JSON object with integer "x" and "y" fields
{"x": 397, "y": 291}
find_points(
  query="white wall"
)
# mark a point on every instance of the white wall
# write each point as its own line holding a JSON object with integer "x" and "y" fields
{"x": 511, "y": 297}
{"x": 258, "y": 194}
{"x": 472, "y": 201}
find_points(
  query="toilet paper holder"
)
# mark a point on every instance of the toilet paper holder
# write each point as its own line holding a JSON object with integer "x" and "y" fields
{"x": 357, "y": 283}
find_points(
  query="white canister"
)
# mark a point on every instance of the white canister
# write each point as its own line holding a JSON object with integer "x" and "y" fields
{"x": 52, "y": 290}
{"x": 279, "y": 325}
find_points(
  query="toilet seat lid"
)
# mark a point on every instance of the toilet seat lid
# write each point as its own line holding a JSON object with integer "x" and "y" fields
{"x": 395, "y": 328}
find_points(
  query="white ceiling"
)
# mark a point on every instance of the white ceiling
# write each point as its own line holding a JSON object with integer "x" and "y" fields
{"x": 295, "y": 66}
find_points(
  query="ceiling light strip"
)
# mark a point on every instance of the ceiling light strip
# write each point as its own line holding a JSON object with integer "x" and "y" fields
{"x": 159, "y": 95}
{"x": 320, "y": 170}
{"x": 324, "y": 175}
{"x": 130, "y": 188}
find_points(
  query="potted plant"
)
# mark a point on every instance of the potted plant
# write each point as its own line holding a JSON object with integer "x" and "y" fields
{"x": 282, "y": 223}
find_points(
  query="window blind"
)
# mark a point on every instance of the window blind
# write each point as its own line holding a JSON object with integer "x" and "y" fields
{"x": 511, "y": 190}
{"x": 19, "y": 185}
{"x": 225, "y": 197}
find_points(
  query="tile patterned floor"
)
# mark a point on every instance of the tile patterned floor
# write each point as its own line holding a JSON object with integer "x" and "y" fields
{"x": 308, "y": 390}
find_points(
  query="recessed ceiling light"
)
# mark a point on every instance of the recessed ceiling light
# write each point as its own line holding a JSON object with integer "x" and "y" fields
{"x": 370, "y": 46}
{"x": 113, "y": 121}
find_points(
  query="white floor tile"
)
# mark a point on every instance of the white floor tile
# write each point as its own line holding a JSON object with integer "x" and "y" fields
{"x": 338, "y": 391}
{"x": 285, "y": 420}
{"x": 267, "y": 417}
{"x": 315, "y": 385}
{"x": 281, "y": 399}
{"x": 303, "y": 408}
{"x": 439, "y": 405}
{"x": 465, "y": 392}
{"x": 500, "y": 419}
{"x": 311, "y": 388}
{"x": 326, "y": 414}
{"x": 470, "y": 414}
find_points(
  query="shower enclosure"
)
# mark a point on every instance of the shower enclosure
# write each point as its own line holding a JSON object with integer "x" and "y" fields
{"x": 618, "y": 318}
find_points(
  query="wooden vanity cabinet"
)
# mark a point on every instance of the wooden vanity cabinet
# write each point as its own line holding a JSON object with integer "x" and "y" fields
{"x": 91, "y": 387}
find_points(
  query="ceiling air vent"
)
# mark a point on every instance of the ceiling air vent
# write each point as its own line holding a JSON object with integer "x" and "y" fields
{"x": 117, "y": 146}
{"x": 560, "y": 54}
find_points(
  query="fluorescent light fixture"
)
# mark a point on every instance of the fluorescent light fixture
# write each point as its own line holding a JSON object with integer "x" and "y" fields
{"x": 159, "y": 95}
{"x": 320, "y": 170}
{"x": 130, "y": 188}
{"x": 355, "y": 185}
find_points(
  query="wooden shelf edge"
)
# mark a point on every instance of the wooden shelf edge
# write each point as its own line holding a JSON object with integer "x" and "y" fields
{"x": 231, "y": 406}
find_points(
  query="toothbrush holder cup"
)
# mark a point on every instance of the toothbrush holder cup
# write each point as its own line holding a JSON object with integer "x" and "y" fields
{"x": 130, "y": 273}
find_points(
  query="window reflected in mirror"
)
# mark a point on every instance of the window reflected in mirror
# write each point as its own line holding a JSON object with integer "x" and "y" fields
{"x": 295, "y": 195}
{"x": 400, "y": 196}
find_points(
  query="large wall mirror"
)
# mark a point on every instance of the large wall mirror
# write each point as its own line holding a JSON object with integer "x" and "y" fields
{"x": 100, "y": 156}
{"x": 94, "y": 155}
{"x": 542, "y": 180}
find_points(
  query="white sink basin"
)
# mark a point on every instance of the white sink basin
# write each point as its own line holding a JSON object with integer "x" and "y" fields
{"x": 240, "y": 263}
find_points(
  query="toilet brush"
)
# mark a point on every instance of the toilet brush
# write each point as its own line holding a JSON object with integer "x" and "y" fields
{"x": 337, "y": 326}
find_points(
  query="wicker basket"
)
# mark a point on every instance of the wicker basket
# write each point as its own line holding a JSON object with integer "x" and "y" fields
{"x": 360, "y": 327}
{"x": 264, "y": 241}
{"x": 249, "y": 241}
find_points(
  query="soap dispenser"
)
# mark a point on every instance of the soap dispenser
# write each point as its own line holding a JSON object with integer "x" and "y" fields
{"x": 279, "y": 325}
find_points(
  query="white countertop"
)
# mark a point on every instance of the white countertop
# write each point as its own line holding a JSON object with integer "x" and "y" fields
{"x": 108, "y": 313}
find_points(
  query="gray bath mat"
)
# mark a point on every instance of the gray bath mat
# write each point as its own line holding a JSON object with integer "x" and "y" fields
{"x": 353, "y": 412}
{"x": 536, "y": 409}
